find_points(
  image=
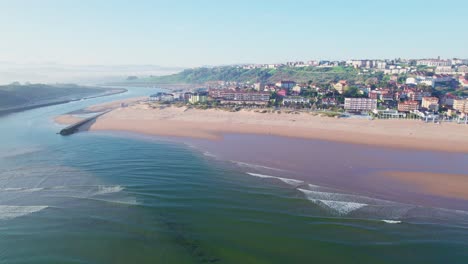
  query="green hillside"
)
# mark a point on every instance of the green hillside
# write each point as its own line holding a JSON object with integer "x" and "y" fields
{"x": 231, "y": 73}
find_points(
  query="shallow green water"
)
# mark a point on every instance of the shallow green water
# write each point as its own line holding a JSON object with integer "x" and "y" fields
{"x": 94, "y": 198}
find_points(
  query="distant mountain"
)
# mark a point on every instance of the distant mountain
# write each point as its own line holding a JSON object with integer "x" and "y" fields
{"x": 17, "y": 97}
{"x": 238, "y": 74}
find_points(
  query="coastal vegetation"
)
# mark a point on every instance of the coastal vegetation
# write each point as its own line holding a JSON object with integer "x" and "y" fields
{"x": 239, "y": 74}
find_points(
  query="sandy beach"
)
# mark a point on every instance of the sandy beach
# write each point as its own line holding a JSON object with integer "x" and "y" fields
{"x": 212, "y": 124}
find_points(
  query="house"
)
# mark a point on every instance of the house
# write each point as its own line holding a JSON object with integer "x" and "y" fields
{"x": 198, "y": 98}
{"x": 444, "y": 70}
{"x": 417, "y": 95}
{"x": 282, "y": 92}
{"x": 242, "y": 97}
{"x": 161, "y": 97}
{"x": 286, "y": 84}
{"x": 434, "y": 62}
{"x": 408, "y": 106}
{"x": 430, "y": 103}
{"x": 297, "y": 89}
{"x": 360, "y": 104}
{"x": 295, "y": 100}
{"x": 463, "y": 82}
{"x": 461, "y": 105}
{"x": 341, "y": 86}
{"x": 462, "y": 69}
{"x": 329, "y": 101}
{"x": 448, "y": 99}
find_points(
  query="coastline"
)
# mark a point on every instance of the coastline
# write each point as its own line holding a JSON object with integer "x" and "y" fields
{"x": 305, "y": 138}
{"x": 213, "y": 123}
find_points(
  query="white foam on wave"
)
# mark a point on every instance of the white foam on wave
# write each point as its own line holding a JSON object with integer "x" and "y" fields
{"x": 391, "y": 221}
{"x": 285, "y": 180}
{"x": 20, "y": 189}
{"x": 255, "y": 166}
{"x": 12, "y": 211}
{"x": 208, "y": 154}
{"x": 333, "y": 201}
{"x": 341, "y": 207}
{"x": 108, "y": 189}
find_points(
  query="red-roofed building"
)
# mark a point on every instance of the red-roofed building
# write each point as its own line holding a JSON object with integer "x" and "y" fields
{"x": 282, "y": 92}
{"x": 463, "y": 81}
{"x": 408, "y": 106}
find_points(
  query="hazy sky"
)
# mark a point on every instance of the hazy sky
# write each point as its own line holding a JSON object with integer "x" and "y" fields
{"x": 199, "y": 32}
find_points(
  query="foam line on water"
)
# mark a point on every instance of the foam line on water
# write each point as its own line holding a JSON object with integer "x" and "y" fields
{"x": 285, "y": 180}
{"x": 8, "y": 212}
{"x": 391, "y": 221}
{"x": 255, "y": 166}
{"x": 20, "y": 189}
{"x": 340, "y": 207}
{"x": 108, "y": 189}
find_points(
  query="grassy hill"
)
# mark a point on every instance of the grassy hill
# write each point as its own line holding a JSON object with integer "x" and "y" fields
{"x": 15, "y": 97}
{"x": 231, "y": 73}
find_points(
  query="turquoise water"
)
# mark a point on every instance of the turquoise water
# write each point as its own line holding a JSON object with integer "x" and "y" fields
{"x": 98, "y": 198}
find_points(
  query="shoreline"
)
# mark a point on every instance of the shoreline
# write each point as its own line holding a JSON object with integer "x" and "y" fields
{"x": 305, "y": 139}
{"x": 214, "y": 123}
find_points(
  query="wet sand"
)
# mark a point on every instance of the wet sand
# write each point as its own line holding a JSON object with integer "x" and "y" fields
{"x": 385, "y": 173}
{"x": 446, "y": 185}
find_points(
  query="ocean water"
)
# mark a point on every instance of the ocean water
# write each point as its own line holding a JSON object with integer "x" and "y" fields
{"x": 113, "y": 198}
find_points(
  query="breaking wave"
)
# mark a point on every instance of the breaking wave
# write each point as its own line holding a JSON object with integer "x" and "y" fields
{"x": 292, "y": 182}
{"x": 391, "y": 221}
{"x": 108, "y": 189}
{"x": 12, "y": 211}
{"x": 255, "y": 166}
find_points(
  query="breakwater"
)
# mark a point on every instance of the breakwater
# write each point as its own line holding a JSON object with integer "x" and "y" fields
{"x": 71, "y": 129}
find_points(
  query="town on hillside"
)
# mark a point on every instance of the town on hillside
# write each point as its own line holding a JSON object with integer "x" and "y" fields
{"x": 433, "y": 90}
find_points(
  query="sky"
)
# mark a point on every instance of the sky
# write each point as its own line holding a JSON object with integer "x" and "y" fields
{"x": 180, "y": 33}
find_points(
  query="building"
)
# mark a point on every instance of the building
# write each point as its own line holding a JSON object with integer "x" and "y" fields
{"x": 434, "y": 62}
{"x": 282, "y": 93}
{"x": 381, "y": 94}
{"x": 241, "y": 97}
{"x": 448, "y": 98}
{"x": 360, "y": 104}
{"x": 463, "y": 82}
{"x": 198, "y": 98}
{"x": 430, "y": 103}
{"x": 462, "y": 69}
{"x": 329, "y": 101}
{"x": 444, "y": 70}
{"x": 286, "y": 84}
{"x": 461, "y": 105}
{"x": 161, "y": 97}
{"x": 297, "y": 89}
{"x": 414, "y": 95}
{"x": 340, "y": 86}
{"x": 295, "y": 100}
{"x": 408, "y": 106}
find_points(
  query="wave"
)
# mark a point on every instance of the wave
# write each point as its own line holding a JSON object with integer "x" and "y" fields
{"x": 208, "y": 154}
{"x": 21, "y": 189}
{"x": 340, "y": 207}
{"x": 255, "y": 166}
{"x": 108, "y": 189}
{"x": 8, "y": 212}
{"x": 391, "y": 221}
{"x": 292, "y": 182}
